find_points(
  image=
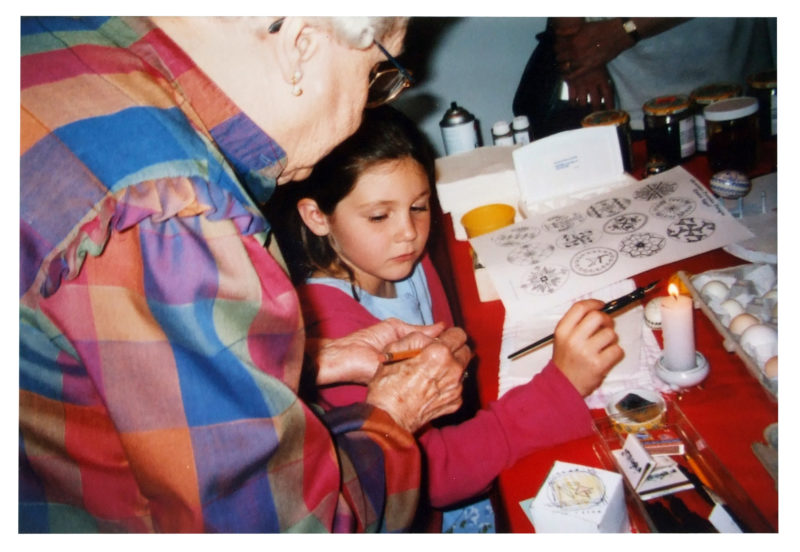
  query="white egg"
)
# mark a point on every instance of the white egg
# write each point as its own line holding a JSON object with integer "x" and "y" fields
{"x": 652, "y": 313}
{"x": 714, "y": 290}
{"x": 741, "y": 322}
{"x": 771, "y": 367}
{"x": 760, "y": 342}
{"x": 771, "y": 294}
{"x": 732, "y": 308}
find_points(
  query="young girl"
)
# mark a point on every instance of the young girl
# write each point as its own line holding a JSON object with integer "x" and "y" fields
{"x": 360, "y": 250}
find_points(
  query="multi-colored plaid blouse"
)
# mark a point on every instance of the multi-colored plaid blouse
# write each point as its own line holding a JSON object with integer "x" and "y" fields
{"x": 160, "y": 343}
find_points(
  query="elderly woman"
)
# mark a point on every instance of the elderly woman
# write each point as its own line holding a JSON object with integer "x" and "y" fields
{"x": 160, "y": 342}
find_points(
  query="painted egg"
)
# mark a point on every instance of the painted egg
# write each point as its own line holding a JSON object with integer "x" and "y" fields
{"x": 714, "y": 290}
{"x": 771, "y": 367}
{"x": 740, "y": 323}
{"x": 730, "y": 184}
{"x": 732, "y": 308}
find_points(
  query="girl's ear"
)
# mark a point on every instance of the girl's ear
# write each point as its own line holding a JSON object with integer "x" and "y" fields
{"x": 313, "y": 217}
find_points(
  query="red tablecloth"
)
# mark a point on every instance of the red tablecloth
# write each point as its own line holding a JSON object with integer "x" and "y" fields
{"x": 730, "y": 409}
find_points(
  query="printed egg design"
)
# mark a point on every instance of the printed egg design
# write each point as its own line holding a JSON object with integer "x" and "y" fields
{"x": 730, "y": 184}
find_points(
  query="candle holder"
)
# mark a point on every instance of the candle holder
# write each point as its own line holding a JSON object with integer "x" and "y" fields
{"x": 683, "y": 378}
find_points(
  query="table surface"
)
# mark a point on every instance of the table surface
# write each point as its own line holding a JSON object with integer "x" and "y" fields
{"x": 730, "y": 409}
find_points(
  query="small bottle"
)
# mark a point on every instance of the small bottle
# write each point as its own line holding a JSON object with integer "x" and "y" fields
{"x": 459, "y": 130}
{"x": 522, "y": 129}
{"x": 501, "y": 134}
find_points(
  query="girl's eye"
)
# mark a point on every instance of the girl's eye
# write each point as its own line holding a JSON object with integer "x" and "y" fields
{"x": 419, "y": 208}
{"x": 377, "y": 218}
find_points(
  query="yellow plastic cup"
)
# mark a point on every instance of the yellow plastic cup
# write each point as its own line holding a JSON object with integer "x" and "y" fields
{"x": 487, "y": 218}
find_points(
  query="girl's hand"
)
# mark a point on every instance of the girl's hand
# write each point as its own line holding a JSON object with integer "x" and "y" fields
{"x": 585, "y": 346}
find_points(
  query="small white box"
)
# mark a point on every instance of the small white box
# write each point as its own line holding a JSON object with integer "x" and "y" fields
{"x": 580, "y": 499}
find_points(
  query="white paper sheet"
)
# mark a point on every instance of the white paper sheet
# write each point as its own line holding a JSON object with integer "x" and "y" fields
{"x": 550, "y": 259}
{"x": 635, "y": 338}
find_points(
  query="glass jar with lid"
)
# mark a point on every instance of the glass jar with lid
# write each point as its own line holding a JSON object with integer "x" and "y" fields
{"x": 669, "y": 128}
{"x": 764, "y": 86}
{"x": 621, "y": 120}
{"x": 733, "y": 139}
{"x": 706, "y": 95}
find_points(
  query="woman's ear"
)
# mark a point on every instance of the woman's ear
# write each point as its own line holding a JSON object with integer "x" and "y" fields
{"x": 313, "y": 217}
{"x": 299, "y": 41}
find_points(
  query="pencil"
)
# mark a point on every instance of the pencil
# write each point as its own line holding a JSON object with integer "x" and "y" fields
{"x": 400, "y": 355}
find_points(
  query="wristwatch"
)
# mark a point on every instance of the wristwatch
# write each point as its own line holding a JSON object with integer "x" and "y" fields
{"x": 630, "y": 28}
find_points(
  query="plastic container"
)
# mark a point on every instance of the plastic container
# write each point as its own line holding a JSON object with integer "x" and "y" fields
{"x": 459, "y": 130}
{"x": 501, "y": 134}
{"x": 522, "y": 129}
{"x": 669, "y": 129}
{"x": 733, "y": 138}
{"x": 621, "y": 120}
{"x": 705, "y": 96}
{"x": 487, "y": 218}
{"x": 764, "y": 86}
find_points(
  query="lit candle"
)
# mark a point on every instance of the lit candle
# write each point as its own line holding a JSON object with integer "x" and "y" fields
{"x": 677, "y": 327}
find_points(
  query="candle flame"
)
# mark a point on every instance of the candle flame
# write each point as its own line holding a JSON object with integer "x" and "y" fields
{"x": 673, "y": 291}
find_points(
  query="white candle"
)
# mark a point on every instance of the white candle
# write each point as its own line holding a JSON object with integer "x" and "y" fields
{"x": 677, "y": 327}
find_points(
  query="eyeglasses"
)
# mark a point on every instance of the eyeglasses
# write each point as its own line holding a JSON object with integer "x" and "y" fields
{"x": 386, "y": 80}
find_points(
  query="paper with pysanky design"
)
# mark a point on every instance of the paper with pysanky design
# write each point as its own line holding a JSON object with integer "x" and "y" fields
{"x": 551, "y": 258}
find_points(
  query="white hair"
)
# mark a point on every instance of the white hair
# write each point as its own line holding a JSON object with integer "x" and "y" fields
{"x": 358, "y": 31}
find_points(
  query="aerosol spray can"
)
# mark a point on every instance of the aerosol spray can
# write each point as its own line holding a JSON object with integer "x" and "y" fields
{"x": 459, "y": 130}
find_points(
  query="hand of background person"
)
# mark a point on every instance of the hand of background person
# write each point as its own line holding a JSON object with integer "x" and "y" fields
{"x": 583, "y": 48}
{"x": 354, "y": 358}
{"x": 586, "y": 345}
{"x": 592, "y": 88}
{"x": 429, "y": 385}
{"x": 590, "y": 46}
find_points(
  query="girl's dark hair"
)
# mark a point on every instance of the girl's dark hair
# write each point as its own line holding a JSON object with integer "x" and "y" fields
{"x": 385, "y": 134}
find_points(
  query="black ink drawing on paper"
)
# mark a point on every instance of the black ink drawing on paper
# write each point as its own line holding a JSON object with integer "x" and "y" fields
{"x": 529, "y": 254}
{"x": 517, "y": 235}
{"x": 580, "y": 238}
{"x": 655, "y": 190}
{"x": 673, "y": 208}
{"x": 625, "y": 223}
{"x": 544, "y": 280}
{"x": 593, "y": 261}
{"x": 642, "y": 244}
{"x": 691, "y": 229}
{"x": 562, "y": 223}
{"x": 608, "y": 207}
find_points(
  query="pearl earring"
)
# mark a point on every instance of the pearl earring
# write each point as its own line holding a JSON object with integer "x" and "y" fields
{"x": 296, "y": 90}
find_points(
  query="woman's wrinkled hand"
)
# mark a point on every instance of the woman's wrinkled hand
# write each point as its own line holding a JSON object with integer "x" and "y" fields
{"x": 586, "y": 346}
{"x": 354, "y": 358}
{"x": 429, "y": 385}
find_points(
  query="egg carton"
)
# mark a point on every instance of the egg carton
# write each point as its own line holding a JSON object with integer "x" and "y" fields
{"x": 742, "y": 297}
